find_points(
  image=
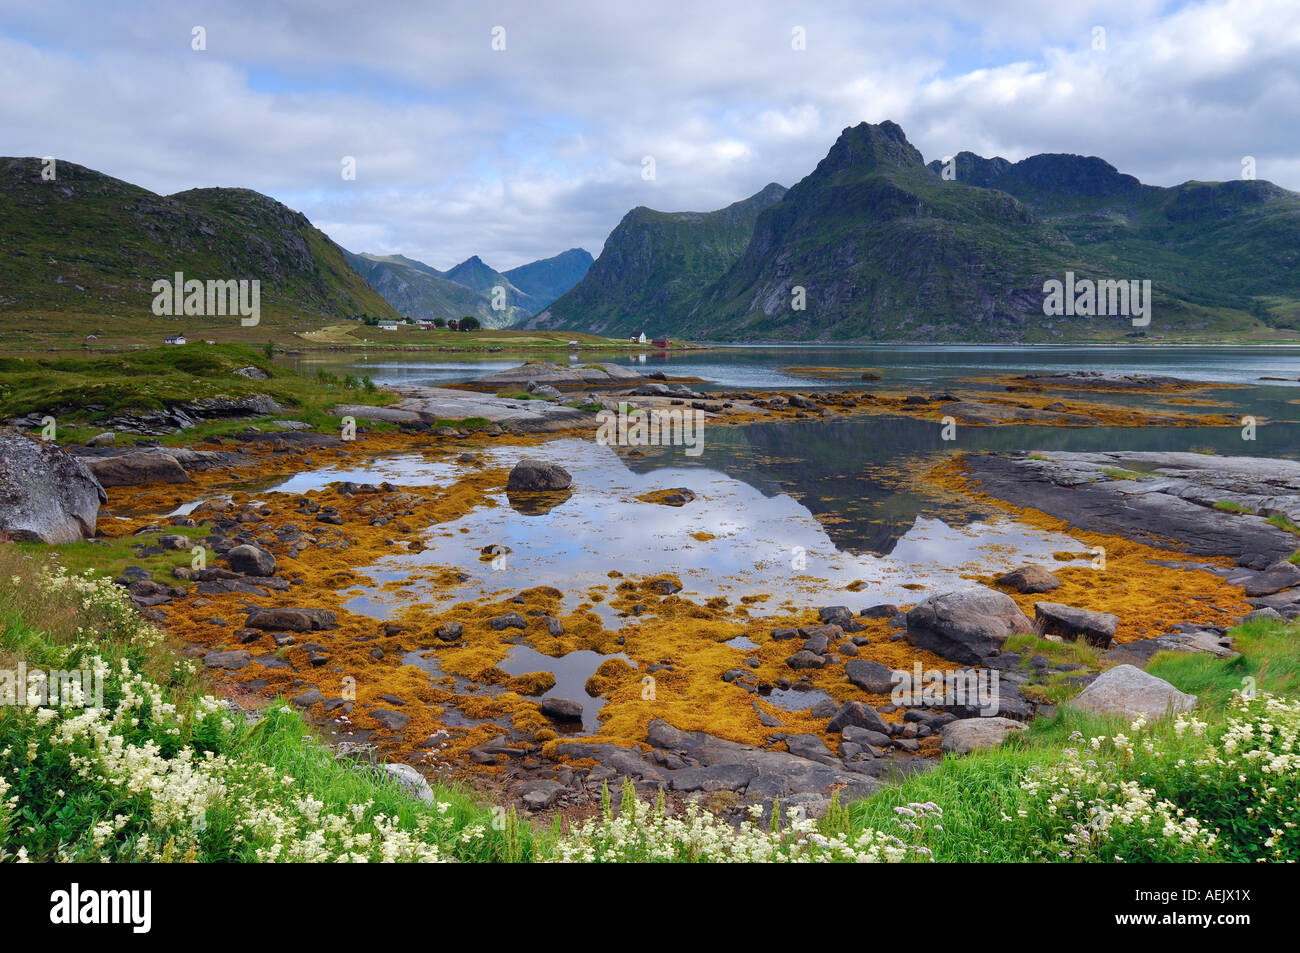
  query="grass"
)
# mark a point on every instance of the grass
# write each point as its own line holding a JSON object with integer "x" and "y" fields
{"x": 983, "y": 793}
{"x": 1281, "y": 522}
{"x": 1117, "y": 474}
{"x": 252, "y": 790}
{"x": 83, "y": 390}
{"x": 1228, "y": 506}
{"x": 108, "y": 557}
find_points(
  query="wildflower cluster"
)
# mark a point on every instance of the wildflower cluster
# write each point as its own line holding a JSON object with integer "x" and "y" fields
{"x": 643, "y": 831}
{"x": 1178, "y": 792}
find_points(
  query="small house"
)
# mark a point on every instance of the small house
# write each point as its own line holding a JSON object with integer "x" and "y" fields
{"x": 388, "y": 325}
{"x": 663, "y": 342}
{"x": 175, "y": 339}
{"x": 638, "y": 338}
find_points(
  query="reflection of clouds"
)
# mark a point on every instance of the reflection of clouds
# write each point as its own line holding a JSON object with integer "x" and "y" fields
{"x": 407, "y": 469}
{"x": 602, "y": 527}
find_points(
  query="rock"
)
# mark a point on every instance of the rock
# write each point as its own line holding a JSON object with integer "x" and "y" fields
{"x": 102, "y": 440}
{"x": 410, "y": 779}
{"x": 967, "y": 625}
{"x": 835, "y": 615}
{"x": 1030, "y": 579}
{"x": 805, "y": 659}
{"x": 392, "y": 720}
{"x": 561, "y": 709}
{"x": 883, "y": 611}
{"x": 135, "y": 468}
{"x": 1265, "y": 614}
{"x": 1096, "y": 628}
{"x": 1281, "y": 575}
{"x": 540, "y": 793}
{"x": 292, "y": 620}
{"x": 544, "y": 391}
{"x": 449, "y": 631}
{"x": 529, "y": 475}
{"x": 722, "y": 777}
{"x": 810, "y": 747}
{"x": 511, "y": 620}
{"x": 1129, "y": 691}
{"x": 46, "y": 494}
{"x": 969, "y": 734}
{"x": 865, "y": 736}
{"x": 872, "y": 677}
{"x": 251, "y": 372}
{"x": 858, "y": 715}
{"x": 231, "y": 661}
{"x": 308, "y": 698}
{"x": 251, "y": 560}
{"x": 1140, "y": 652}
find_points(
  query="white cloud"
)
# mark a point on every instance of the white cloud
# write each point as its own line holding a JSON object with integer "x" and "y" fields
{"x": 520, "y": 154}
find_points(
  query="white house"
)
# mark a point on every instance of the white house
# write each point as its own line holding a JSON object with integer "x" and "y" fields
{"x": 388, "y": 326}
{"x": 638, "y": 338}
{"x": 175, "y": 339}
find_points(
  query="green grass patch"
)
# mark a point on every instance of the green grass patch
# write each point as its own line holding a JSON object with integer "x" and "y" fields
{"x": 1228, "y": 506}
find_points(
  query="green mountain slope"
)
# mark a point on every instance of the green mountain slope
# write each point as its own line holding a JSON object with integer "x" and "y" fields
{"x": 881, "y": 247}
{"x": 546, "y": 280}
{"x": 89, "y": 243}
{"x": 653, "y": 268}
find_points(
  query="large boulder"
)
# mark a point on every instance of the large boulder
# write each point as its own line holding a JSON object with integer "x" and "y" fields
{"x": 46, "y": 494}
{"x": 1129, "y": 691}
{"x": 529, "y": 475}
{"x": 251, "y": 560}
{"x": 1030, "y": 578}
{"x": 966, "y": 626}
{"x": 970, "y": 734}
{"x": 136, "y": 468}
{"x": 1095, "y": 628}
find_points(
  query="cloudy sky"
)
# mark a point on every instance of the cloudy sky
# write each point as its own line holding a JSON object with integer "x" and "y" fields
{"x": 519, "y": 153}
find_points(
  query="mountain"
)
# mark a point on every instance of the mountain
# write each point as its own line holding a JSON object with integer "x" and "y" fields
{"x": 85, "y": 242}
{"x": 418, "y": 290}
{"x": 654, "y": 266}
{"x": 546, "y": 280}
{"x": 885, "y": 248}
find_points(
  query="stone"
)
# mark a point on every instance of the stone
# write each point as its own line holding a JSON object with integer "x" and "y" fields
{"x": 251, "y": 560}
{"x": 1129, "y": 691}
{"x": 805, "y": 659}
{"x": 291, "y": 620}
{"x": 135, "y": 468}
{"x": 865, "y": 736}
{"x": 1030, "y": 579}
{"x": 970, "y": 734}
{"x": 561, "y": 709}
{"x": 872, "y": 677}
{"x": 967, "y": 625}
{"x": 412, "y": 781}
{"x": 835, "y": 615}
{"x": 537, "y": 475}
{"x": 449, "y": 631}
{"x": 46, "y": 494}
{"x": 540, "y": 793}
{"x": 1279, "y": 576}
{"x": 1095, "y": 628}
{"x": 231, "y": 661}
{"x": 308, "y": 698}
{"x": 1265, "y": 614}
{"x": 810, "y": 747}
{"x": 722, "y": 777}
{"x": 102, "y": 440}
{"x": 392, "y": 720}
{"x": 858, "y": 715}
